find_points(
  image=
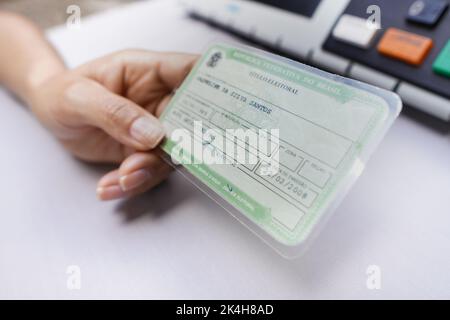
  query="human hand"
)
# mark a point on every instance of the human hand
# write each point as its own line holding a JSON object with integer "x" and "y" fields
{"x": 106, "y": 112}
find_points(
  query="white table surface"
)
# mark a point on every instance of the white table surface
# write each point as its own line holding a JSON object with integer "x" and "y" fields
{"x": 176, "y": 243}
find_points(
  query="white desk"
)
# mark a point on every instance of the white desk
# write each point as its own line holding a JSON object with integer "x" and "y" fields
{"x": 176, "y": 243}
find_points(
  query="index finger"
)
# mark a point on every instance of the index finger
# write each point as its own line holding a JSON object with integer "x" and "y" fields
{"x": 174, "y": 67}
{"x": 168, "y": 68}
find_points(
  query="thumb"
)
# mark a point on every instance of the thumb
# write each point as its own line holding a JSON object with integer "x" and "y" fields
{"x": 121, "y": 118}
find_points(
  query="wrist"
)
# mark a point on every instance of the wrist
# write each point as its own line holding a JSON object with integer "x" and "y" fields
{"x": 38, "y": 75}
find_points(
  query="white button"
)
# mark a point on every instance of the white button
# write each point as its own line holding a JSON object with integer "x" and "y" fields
{"x": 329, "y": 61}
{"x": 372, "y": 76}
{"x": 354, "y": 30}
{"x": 426, "y": 101}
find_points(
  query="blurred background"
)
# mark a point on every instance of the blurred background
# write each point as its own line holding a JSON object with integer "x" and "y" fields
{"x": 47, "y": 13}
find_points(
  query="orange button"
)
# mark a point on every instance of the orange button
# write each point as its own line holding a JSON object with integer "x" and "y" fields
{"x": 408, "y": 47}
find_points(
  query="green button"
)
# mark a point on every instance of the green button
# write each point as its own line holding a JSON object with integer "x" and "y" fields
{"x": 442, "y": 63}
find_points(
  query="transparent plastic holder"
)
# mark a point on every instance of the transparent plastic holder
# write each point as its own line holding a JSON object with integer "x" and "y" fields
{"x": 242, "y": 86}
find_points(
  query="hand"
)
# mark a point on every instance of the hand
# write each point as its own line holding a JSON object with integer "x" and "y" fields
{"x": 106, "y": 112}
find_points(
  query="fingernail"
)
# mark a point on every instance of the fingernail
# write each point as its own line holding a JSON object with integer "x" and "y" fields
{"x": 134, "y": 180}
{"x": 110, "y": 192}
{"x": 147, "y": 132}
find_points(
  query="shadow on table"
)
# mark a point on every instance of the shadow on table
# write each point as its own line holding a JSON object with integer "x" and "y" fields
{"x": 427, "y": 120}
{"x": 153, "y": 203}
{"x": 318, "y": 266}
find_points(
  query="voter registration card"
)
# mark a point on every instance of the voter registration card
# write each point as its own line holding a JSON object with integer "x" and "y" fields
{"x": 275, "y": 142}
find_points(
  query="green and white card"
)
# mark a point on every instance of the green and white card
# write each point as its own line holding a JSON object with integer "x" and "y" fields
{"x": 276, "y": 142}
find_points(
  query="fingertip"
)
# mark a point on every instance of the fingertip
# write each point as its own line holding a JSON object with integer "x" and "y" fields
{"x": 137, "y": 161}
{"x": 135, "y": 179}
{"x": 147, "y": 132}
{"x": 110, "y": 193}
{"x": 111, "y": 178}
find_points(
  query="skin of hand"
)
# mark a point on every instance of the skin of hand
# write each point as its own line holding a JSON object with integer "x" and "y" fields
{"x": 106, "y": 112}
